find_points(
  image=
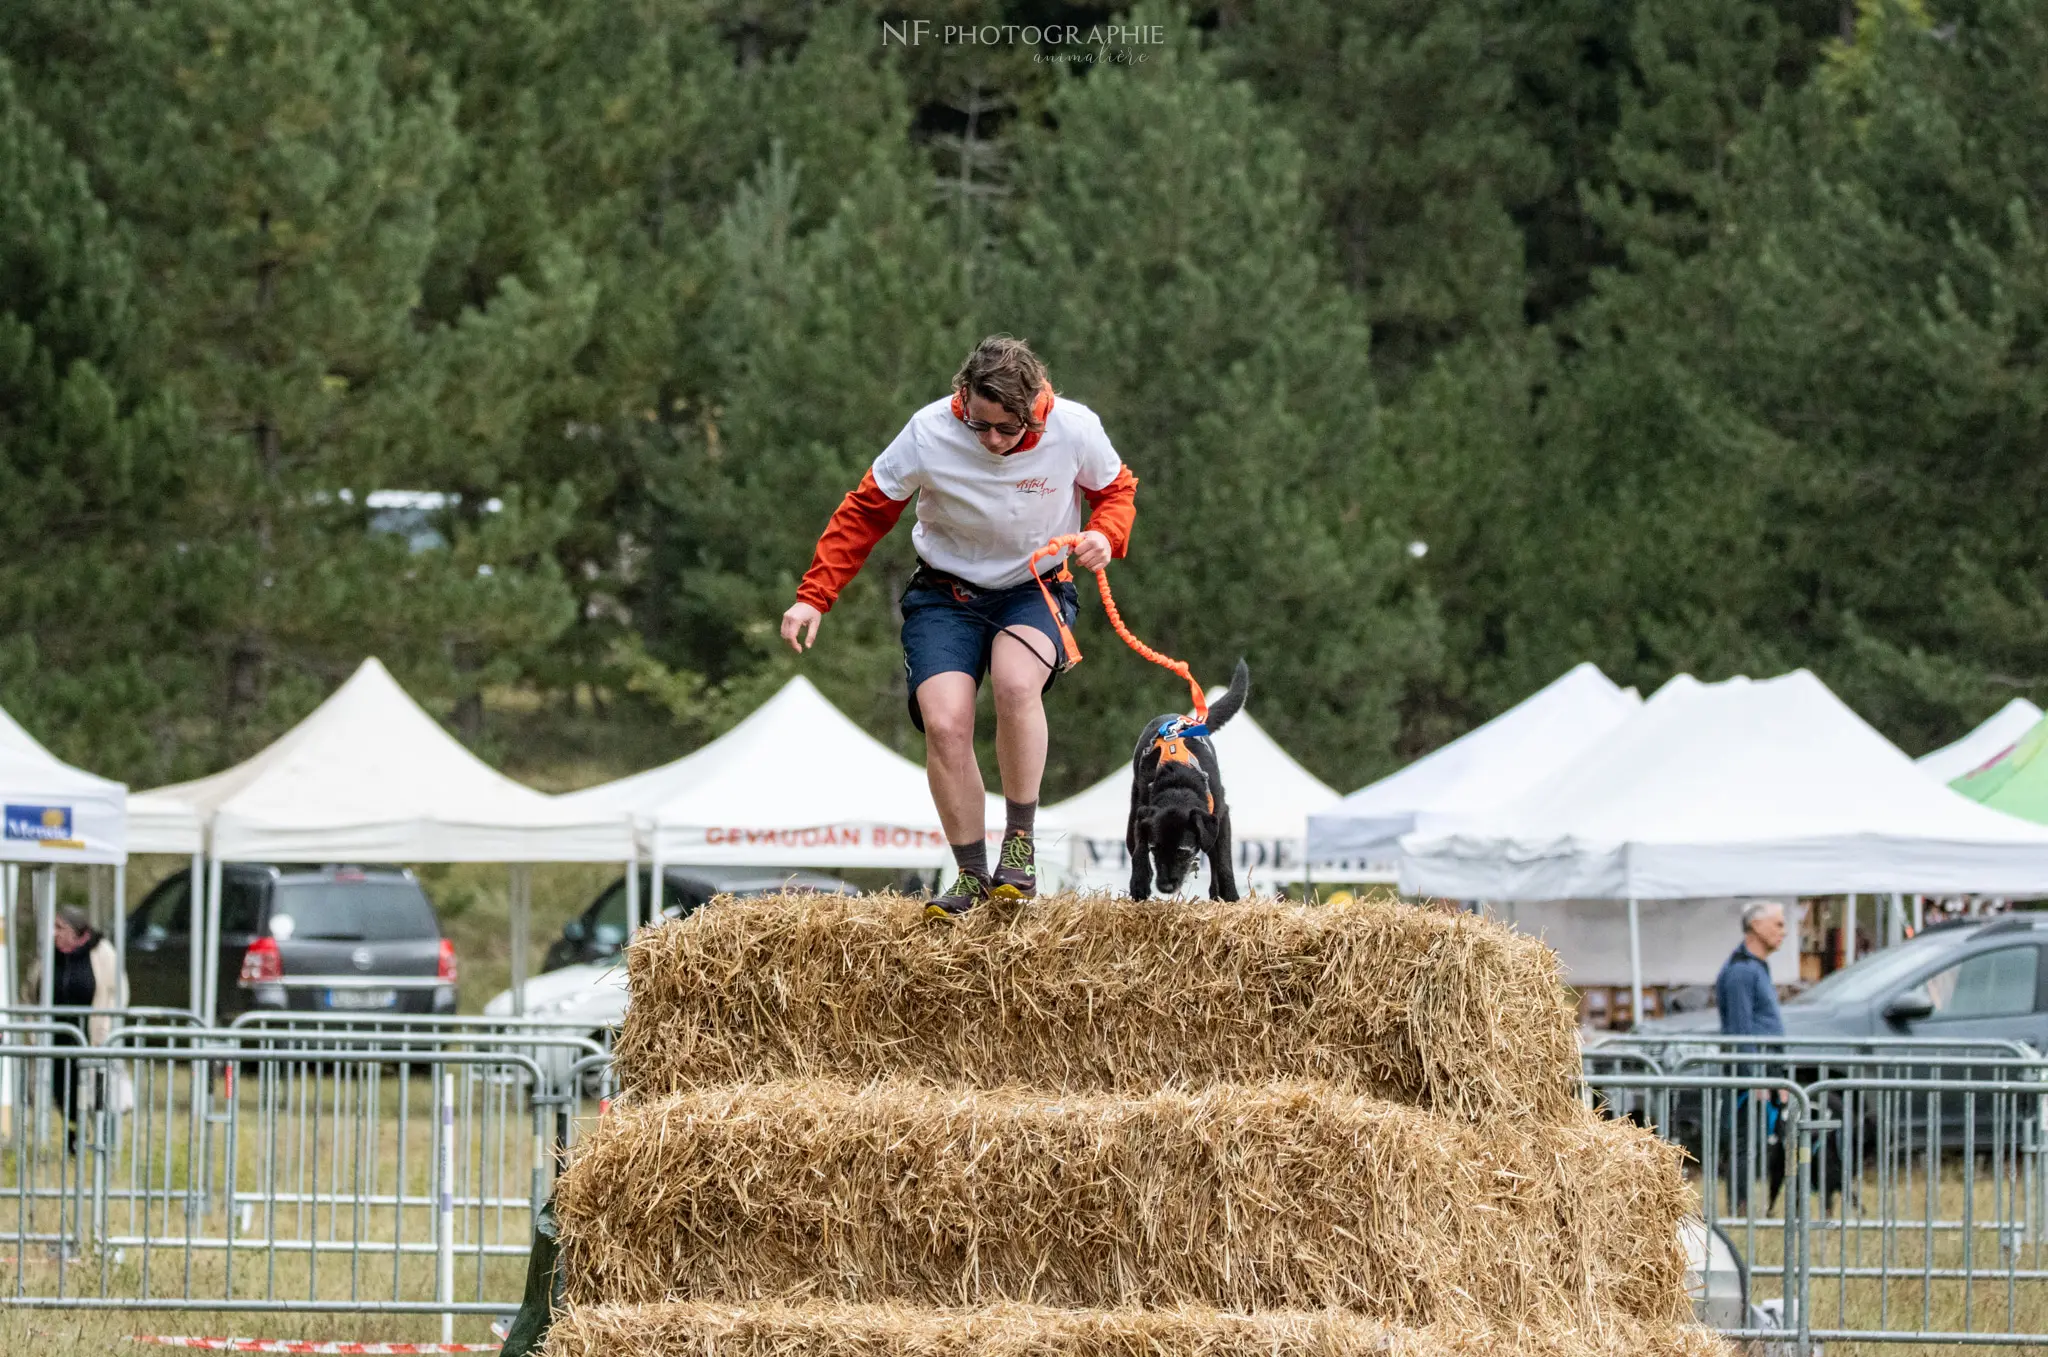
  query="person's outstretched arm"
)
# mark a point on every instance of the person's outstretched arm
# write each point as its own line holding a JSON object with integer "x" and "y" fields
{"x": 862, "y": 519}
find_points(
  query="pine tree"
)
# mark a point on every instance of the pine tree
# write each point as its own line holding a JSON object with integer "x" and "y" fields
{"x": 1419, "y": 159}
{"x": 97, "y": 583}
{"x": 283, "y": 205}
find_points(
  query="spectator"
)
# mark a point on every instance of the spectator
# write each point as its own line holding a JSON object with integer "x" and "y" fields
{"x": 1743, "y": 990}
{"x": 1749, "y": 1007}
{"x": 87, "y": 975}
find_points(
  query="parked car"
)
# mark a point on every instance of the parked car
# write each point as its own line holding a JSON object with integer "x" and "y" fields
{"x": 312, "y": 938}
{"x": 599, "y": 932}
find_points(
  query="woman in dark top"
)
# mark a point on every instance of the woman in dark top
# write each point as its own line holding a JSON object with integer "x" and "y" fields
{"x": 86, "y": 975}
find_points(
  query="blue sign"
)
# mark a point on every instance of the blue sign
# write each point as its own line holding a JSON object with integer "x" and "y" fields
{"x": 41, "y": 824}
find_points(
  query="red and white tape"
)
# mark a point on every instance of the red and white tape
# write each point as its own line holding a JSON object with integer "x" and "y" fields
{"x": 291, "y": 1345}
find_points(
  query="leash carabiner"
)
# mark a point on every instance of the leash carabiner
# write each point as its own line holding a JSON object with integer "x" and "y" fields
{"x": 1069, "y": 540}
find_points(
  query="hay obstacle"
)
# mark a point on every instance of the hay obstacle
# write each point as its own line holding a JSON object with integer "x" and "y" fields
{"x": 1092, "y": 1126}
{"x": 1448, "y": 1012}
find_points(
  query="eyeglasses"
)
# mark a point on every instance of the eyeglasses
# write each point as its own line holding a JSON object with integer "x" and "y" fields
{"x": 983, "y": 426}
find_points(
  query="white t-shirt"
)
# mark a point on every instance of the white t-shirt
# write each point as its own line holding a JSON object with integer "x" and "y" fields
{"x": 980, "y": 516}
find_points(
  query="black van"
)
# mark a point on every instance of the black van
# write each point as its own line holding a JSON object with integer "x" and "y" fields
{"x": 308, "y": 938}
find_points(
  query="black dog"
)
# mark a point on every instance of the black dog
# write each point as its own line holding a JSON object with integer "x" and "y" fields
{"x": 1177, "y": 805}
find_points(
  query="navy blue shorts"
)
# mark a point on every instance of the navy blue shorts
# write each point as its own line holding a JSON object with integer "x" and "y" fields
{"x": 946, "y": 634}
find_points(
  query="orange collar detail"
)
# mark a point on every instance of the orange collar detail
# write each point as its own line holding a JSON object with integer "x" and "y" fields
{"x": 1040, "y": 408}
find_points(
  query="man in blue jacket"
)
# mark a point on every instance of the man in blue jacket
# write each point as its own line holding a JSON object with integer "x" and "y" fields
{"x": 1748, "y": 1002}
{"x": 1743, "y": 990}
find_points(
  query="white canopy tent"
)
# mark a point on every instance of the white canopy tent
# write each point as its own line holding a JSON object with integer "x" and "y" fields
{"x": 2000, "y": 732}
{"x": 1481, "y": 769}
{"x": 1742, "y": 788}
{"x": 796, "y": 784}
{"x": 1270, "y": 795}
{"x": 369, "y": 776}
{"x": 55, "y": 816}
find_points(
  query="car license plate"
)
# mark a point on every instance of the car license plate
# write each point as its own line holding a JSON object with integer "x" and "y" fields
{"x": 362, "y": 998}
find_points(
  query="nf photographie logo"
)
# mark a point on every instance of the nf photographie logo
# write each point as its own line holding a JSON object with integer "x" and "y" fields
{"x": 917, "y": 32}
{"x": 46, "y": 825}
{"x": 1036, "y": 485}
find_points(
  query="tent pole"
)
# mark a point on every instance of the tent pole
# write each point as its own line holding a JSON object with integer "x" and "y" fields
{"x": 1919, "y": 912}
{"x": 210, "y": 940}
{"x": 632, "y": 879}
{"x": 46, "y": 928}
{"x": 121, "y": 930}
{"x": 655, "y": 883}
{"x": 518, "y": 884}
{"x": 1849, "y": 929}
{"x": 1895, "y": 920}
{"x": 10, "y": 879}
{"x": 43, "y": 889}
{"x": 633, "y": 898}
{"x": 195, "y": 899}
{"x": 1635, "y": 964}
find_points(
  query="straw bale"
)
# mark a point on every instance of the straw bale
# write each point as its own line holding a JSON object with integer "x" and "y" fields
{"x": 1083, "y": 993}
{"x": 695, "y": 1329}
{"x": 1246, "y": 1198}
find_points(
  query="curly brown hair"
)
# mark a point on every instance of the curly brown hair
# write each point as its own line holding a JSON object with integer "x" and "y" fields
{"x": 1006, "y": 371}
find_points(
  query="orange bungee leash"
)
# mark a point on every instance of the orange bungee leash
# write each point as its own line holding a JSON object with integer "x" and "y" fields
{"x": 1070, "y": 540}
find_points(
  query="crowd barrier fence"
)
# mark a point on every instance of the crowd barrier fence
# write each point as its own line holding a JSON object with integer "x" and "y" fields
{"x": 1886, "y": 1191}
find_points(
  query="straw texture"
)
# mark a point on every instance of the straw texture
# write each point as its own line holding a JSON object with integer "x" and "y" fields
{"x": 1244, "y": 1198}
{"x": 774, "y": 1330}
{"x": 1090, "y": 993}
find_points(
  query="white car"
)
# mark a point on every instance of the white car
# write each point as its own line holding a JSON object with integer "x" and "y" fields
{"x": 589, "y": 1001}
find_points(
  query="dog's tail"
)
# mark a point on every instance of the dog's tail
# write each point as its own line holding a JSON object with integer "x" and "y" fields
{"x": 1232, "y": 701}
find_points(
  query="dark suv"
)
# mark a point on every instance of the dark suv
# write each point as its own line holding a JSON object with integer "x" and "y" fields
{"x": 600, "y": 931}
{"x": 331, "y": 939}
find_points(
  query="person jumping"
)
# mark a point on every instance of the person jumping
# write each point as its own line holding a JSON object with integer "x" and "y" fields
{"x": 999, "y": 468}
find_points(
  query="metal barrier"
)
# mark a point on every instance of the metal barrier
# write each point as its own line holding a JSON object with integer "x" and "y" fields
{"x": 1740, "y": 1114}
{"x": 553, "y": 1044}
{"x": 270, "y": 1169}
{"x": 1905, "y": 1201}
{"x": 396, "y": 1164}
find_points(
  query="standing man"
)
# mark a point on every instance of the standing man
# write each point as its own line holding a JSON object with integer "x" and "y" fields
{"x": 1743, "y": 990}
{"x": 998, "y": 468}
{"x": 1748, "y": 1002}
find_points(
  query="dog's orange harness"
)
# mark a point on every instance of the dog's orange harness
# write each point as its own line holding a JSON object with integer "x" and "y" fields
{"x": 1172, "y": 746}
{"x": 1061, "y": 543}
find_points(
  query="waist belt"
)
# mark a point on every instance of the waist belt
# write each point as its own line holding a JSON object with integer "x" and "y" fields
{"x": 926, "y": 577}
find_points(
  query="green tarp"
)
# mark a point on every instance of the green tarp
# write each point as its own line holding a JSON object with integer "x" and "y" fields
{"x": 2015, "y": 782}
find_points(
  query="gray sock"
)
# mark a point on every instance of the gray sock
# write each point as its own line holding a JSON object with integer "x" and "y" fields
{"x": 1021, "y": 816}
{"x": 972, "y": 857}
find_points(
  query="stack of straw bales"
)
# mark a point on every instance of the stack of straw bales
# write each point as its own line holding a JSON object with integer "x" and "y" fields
{"x": 1092, "y": 1127}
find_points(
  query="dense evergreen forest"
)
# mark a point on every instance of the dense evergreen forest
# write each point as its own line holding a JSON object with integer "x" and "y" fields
{"x": 1452, "y": 342}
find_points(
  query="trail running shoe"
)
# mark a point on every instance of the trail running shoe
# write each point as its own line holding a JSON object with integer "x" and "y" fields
{"x": 1016, "y": 876}
{"x": 969, "y": 890}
